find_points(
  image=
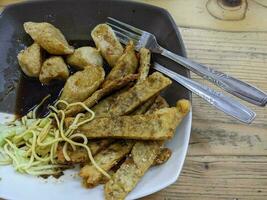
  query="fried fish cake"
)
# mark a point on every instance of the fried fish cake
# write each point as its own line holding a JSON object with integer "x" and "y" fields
{"x": 144, "y": 66}
{"x": 107, "y": 42}
{"x": 82, "y": 84}
{"x": 85, "y": 56}
{"x": 131, "y": 171}
{"x": 30, "y": 60}
{"x": 106, "y": 159}
{"x": 126, "y": 65}
{"x": 159, "y": 125}
{"x": 100, "y": 93}
{"x": 48, "y": 37}
{"x": 53, "y": 68}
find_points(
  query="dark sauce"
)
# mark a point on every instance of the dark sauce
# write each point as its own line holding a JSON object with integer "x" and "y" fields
{"x": 31, "y": 92}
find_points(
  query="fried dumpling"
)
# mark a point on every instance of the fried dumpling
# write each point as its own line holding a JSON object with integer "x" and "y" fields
{"x": 85, "y": 56}
{"x": 106, "y": 40}
{"x": 53, "y": 68}
{"x": 30, "y": 60}
{"x": 48, "y": 37}
{"x": 82, "y": 84}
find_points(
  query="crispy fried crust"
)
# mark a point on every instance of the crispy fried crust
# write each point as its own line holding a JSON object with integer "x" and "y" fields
{"x": 97, "y": 95}
{"x": 82, "y": 84}
{"x": 156, "y": 126}
{"x": 106, "y": 40}
{"x": 84, "y": 56}
{"x": 128, "y": 101}
{"x": 159, "y": 103}
{"x": 144, "y": 66}
{"x": 106, "y": 159}
{"x": 53, "y": 68}
{"x": 163, "y": 156}
{"x": 80, "y": 155}
{"x": 103, "y": 106}
{"x": 30, "y": 60}
{"x": 127, "y": 64}
{"x": 144, "y": 107}
{"x": 131, "y": 171}
{"x": 48, "y": 37}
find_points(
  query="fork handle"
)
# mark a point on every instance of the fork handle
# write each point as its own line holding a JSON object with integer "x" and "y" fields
{"x": 217, "y": 99}
{"x": 232, "y": 85}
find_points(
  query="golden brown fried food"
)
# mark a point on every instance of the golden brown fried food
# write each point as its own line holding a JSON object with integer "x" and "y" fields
{"x": 126, "y": 64}
{"x": 83, "y": 84}
{"x": 106, "y": 159}
{"x": 53, "y": 68}
{"x": 138, "y": 94}
{"x": 80, "y": 155}
{"x": 105, "y": 40}
{"x": 144, "y": 107}
{"x": 97, "y": 95}
{"x": 159, "y": 125}
{"x": 103, "y": 106}
{"x": 163, "y": 156}
{"x": 144, "y": 66}
{"x": 159, "y": 103}
{"x": 30, "y": 60}
{"x": 131, "y": 171}
{"x": 85, "y": 56}
{"x": 48, "y": 37}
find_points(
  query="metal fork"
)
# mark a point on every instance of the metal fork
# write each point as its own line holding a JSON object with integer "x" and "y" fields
{"x": 232, "y": 85}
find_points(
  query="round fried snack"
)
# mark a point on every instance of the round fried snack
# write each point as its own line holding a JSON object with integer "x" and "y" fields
{"x": 48, "y": 37}
{"x": 82, "y": 84}
{"x": 53, "y": 68}
{"x": 30, "y": 60}
{"x": 85, "y": 56}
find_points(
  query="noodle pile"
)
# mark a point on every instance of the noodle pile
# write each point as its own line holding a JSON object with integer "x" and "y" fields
{"x": 30, "y": 144}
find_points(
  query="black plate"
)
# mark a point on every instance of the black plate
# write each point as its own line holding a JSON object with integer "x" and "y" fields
{"x": 76, "y": 19}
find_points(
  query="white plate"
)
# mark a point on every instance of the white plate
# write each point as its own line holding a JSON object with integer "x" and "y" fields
{"x": 68, "y": 187}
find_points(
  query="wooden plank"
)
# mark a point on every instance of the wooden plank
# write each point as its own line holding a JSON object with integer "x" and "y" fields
{"x": 211, "y": 14}
{"x": 219, "y": 177}
{"x": 242, "y": 55}
{"x": 227, "y": 139}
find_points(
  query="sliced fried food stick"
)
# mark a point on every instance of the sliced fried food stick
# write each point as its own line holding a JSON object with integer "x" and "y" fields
{"x": 106, "y": 159}
{"x": 159, "y": 125}
{"x": 104, "y": 105}
{"x": 145, "y": 57}
{"x": 80, "y": 155}
{"x": 163, "y": 156}
{"x": 97, "y": 95}
{"x": 144, "y": 107}
{"x": 159, "y": 103}
{"x": 127, "y": 101}
{"x": 127, "y": 176}
{"x": 142, "y": 157}
{"x": 126, "y": 65}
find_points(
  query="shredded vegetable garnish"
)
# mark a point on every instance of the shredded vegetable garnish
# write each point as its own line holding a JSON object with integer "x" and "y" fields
{"x": 30, "y": 143}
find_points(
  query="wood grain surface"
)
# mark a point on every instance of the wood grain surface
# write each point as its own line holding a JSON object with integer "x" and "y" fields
{"x": 226, "y": 159}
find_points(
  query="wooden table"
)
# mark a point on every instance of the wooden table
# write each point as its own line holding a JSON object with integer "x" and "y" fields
{"x": 226, "y": 159}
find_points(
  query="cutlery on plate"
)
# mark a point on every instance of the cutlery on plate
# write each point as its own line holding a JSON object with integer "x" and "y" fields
{"x": 217, "y": 99}
{"x": 232, "y": 85}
